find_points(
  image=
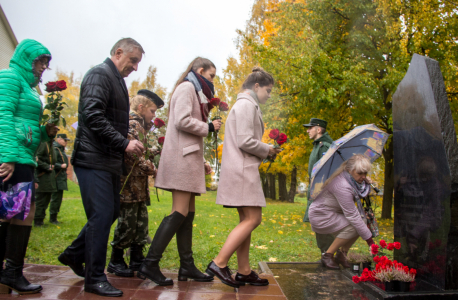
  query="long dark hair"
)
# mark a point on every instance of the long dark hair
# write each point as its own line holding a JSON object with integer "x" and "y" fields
{"x": 197, "y": 63}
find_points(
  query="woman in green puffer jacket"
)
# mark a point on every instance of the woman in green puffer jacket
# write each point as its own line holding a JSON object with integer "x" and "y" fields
{"x": 20, "y": 135}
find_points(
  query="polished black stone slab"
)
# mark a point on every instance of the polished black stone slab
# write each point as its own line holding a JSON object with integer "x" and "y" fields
{"x": 300, "y": 281}
{"x": 426, "y": 175}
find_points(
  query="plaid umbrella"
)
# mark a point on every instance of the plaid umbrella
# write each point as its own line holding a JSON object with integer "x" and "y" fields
{"x": 368, "y": 140}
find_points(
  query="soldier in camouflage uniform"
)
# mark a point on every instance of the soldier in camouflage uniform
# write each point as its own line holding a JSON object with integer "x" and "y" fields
{"x": 132, "y": 228}
{"x": 47, "y": 176}
{"x": 61, "y": 177}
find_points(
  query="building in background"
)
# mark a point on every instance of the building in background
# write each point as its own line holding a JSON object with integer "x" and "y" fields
{"x": 8, "y": 43}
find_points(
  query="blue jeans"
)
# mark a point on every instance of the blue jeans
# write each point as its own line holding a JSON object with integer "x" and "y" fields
{"x": 100, "y": 194}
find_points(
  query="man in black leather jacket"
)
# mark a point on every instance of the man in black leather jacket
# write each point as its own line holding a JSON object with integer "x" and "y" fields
{"x": 101, "y": 140}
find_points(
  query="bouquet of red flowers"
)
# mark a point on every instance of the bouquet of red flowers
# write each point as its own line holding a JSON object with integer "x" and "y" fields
{"x": 386, "y": 270}
{"x": 279, "y": 139}
{"x": 54, "y": 104}
{"x": 221, "y": 105}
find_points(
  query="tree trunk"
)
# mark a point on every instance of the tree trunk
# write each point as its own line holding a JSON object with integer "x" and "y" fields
{"x": 282, "y": 190}
{"x": 293, "y": 187}
{"x": 272, "y": 189}
{"x": 265, "y": 185}
{"x": 388, "y": 154}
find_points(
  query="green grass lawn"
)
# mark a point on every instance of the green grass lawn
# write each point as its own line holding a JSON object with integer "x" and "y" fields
{"x": 282, "y": 236}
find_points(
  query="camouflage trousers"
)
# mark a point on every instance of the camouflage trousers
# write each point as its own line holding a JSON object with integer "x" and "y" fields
{"x": 132, "y": 225}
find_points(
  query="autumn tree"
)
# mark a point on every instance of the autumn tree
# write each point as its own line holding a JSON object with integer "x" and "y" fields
{"x": 342, "y": 60}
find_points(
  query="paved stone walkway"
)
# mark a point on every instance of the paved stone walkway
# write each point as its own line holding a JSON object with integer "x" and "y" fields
{"x": 59, "y": 282}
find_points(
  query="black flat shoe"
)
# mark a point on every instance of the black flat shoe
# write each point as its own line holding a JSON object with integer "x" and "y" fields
{"x": 78, "y": 269}
{"x": 251, "y": 278}
{"x": 103, "y": 288}
{"x": 224, "y": 274}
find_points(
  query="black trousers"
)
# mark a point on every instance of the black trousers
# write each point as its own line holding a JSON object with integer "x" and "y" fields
{"x": 101, "y": 200}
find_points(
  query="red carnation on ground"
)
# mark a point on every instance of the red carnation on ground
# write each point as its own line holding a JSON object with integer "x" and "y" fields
{"x": 215, "y": 101}
{"x": 51, "y": 86}
{"x": 390, "y": 246}
{"x": 282, "y": 139}
{"x": 274, "y": 133}
{"x": 382, "y": 244}
{"x": 61, "y": 85}
{"x": 158, "y": 123}
{"x": 160, "y": 141}
{"x": 223, "y": 106}
{"x": 355, "y": 279}
{"x": 397, "y": 245}
{"x": 376, "y": 259}
{"x": 374, "y": 249}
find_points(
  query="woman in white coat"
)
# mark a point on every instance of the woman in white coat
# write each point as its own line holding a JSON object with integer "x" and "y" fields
{"x": 240, "y": 184}
{"x": 182, "y": 169}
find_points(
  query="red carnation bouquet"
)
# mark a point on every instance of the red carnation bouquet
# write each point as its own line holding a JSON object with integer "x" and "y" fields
{"x": 386, "y": 270}
{"x": 54, "y": 103}
{"x": 221, "y": 107}
{"x": 279, "y": 139}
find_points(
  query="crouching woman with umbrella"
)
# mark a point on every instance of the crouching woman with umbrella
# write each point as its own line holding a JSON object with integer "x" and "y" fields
{"x": 334, "y": 210}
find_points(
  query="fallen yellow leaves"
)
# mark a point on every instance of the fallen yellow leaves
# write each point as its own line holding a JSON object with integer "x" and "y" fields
{"x": 262, "y": 247}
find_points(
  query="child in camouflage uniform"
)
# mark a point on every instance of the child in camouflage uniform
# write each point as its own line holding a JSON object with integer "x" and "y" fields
{"x": 132, "y": 228}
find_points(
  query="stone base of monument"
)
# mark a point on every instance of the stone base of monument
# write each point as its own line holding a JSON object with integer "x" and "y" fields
{"x": 304, "y": 281}
{"x": 420, "y": 290}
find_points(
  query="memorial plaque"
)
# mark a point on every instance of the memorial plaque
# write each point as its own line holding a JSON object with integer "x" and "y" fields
{"x": 426, "y": 175}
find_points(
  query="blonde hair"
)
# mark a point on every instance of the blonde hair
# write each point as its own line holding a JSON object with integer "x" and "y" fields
{"x": 135, "y": 101}
{"x": 357, "y": 162}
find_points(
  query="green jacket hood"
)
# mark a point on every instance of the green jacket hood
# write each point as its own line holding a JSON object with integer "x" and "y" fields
{"x": 324, "y": 138}
{"x": 23, "y": 58}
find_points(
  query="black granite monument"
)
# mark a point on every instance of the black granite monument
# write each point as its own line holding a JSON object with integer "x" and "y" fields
{"x": 426, "y": 175}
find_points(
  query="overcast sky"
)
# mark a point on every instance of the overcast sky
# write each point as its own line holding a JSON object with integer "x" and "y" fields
{"x": 80, "y": 33}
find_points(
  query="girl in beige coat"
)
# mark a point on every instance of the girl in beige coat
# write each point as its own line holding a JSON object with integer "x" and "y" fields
{"x": 240, "y": 183}
{"x": 182, "y": 169}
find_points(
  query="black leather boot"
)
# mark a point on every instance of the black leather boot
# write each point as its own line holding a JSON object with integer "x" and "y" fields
{"x": 117, "y": 264}
{"x": 53, "y": 219}
{"x": 184, "y": 242}
{"x": 164, "y": 234}
{"x": 3, "y": 234}
{"x": 136, "y": 256}
{"x": 16, "y": 246}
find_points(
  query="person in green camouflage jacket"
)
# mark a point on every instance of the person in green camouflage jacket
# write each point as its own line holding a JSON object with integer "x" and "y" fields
{"x": 20, "y": 136}
{"x": 316, "y": 130}
{"x": 132, "y": 228}
{"x": 60, "y": 167}
{"x": 47, "y": 176}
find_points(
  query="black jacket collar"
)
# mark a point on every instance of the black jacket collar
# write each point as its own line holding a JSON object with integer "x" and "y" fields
{"x": 115, "y": 71}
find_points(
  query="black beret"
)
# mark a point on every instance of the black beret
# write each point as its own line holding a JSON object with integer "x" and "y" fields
{"x": 152, "y": 96}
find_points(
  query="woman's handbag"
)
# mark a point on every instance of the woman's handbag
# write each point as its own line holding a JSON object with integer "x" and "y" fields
{"x": 370, "y": 217}
{"x": 15, "y": 200}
